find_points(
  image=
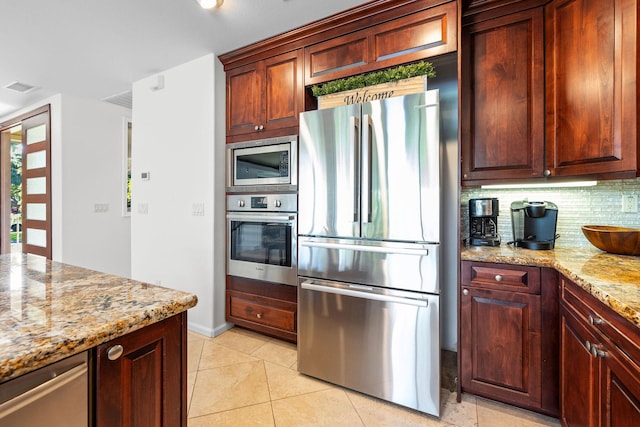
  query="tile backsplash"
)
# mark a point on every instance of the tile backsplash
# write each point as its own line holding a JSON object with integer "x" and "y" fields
{"x": 599, "y": 205}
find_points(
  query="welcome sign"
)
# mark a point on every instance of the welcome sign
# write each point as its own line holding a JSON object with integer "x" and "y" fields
{"x": 373, "y": 93}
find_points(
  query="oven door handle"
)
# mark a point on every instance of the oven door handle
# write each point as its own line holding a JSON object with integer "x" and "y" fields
{"x": 262, "y": 218}
{"x": 365, "y": 248}
{"x": 360, "y": 291}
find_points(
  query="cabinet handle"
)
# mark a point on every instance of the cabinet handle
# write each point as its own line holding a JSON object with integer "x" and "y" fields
{"x": 547, "y": 172}
{"x": 595, "y": 320}
{"x": 498, "y": 278}
{"x": 261, "y": 127}
{"x": 255, "y": 128}
{"x": 465, "y": 292}
{"x": 115, "y": 352}
{"x": 259, "y": 315}
{"x": 594, "y": 350}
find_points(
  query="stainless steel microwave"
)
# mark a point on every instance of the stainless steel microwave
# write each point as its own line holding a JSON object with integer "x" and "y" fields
{"x": 263, "y": 165}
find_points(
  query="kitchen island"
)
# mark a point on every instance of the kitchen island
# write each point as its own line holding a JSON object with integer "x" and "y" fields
{"x": 50, "y": 311}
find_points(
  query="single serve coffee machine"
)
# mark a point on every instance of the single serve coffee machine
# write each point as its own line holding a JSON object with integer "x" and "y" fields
{"x": 534, "y": 224}
{"x": 483, "y": 222}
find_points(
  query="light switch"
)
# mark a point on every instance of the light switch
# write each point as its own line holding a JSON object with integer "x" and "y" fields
{"x": 197, "y": 209}
{"x": 143, "y": 208}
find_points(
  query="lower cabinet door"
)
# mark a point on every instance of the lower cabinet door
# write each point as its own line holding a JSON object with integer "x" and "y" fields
{"x": 619, "y": 392}
{"x": 500, "y": 344}
{"x": 141, "y": 377}
{"x": 578, "y": 373}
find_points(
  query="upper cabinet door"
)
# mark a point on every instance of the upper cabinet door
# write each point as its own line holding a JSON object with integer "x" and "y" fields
{"x": 591, "y": 89}
{"x": 421, "y": 35}
{"x": 265, "y": 97}
{"x": 284, "y": 93}
{"x": 502, "y": 98}
{"x": 244, "y": 98}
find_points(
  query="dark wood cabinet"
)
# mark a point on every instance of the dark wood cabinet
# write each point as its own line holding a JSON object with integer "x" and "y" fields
{"x": 424, "y": 34}
{"x": 599, "y": 372}
{"x": 502, "y": 101}
{"x": 591, "y": 84}
{"x": 508, "y": 334}
{"x": 269, "y": 308}
{"x": 548, "y": 90}
{"x": 141, "y": 377}
{"x": 265, "y": 97}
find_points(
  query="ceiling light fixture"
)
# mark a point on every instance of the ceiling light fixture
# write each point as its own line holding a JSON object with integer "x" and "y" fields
{"x": 210, "y": 4}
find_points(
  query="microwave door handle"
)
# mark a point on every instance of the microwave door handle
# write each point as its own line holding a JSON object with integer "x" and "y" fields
{"x": 362, "y": 292}
{"x": 354, "y": 130}
{"x": 366, "y": 167}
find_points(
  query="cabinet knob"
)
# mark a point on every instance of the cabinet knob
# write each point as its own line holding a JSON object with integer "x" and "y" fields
{"x": 465, "y": 176}
{"x": 115, "y": 352}
{"x": 547, "y": 172}
{"x": 259, "y": 315}
{"x": 498, "y": 278}
{"x": 256, "y": 128}
{"x": 595, "y": 320}
{"x": 261, "y": 127}
{"x": 465, "y": 292}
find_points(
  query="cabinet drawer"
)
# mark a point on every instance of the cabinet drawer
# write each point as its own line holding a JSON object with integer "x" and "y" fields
{"x": 506, "y": 277}
{"x": 259, "y": 312}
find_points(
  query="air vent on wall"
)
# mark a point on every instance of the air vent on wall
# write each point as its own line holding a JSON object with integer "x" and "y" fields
{"x": 123, "y": 99}
{"x": 19, "y": 87}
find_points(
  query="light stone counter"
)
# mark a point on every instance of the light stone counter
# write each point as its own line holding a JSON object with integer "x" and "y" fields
{"x": 49, "y": 310}
{"x": 612, "y": 279}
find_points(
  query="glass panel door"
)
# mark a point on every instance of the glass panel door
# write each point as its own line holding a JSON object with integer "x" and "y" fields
{"x": 36, "y": 184}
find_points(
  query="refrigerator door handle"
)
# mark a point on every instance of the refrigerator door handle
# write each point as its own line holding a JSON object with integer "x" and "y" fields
{"x": 364, "y": 248}
{"x": 366, "y": 167}
{"x": 359, "y": 293}
{"x": 355, "y": 129}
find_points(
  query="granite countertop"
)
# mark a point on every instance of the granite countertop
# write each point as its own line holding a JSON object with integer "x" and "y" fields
{"x": 50, "y": 310}
{"x": 612, "y": 279}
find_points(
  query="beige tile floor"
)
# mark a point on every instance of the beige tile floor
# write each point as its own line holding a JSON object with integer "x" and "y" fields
{"x": 241, "y": 378}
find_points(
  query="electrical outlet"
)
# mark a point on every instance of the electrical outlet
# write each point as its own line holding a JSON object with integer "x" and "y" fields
{"x": 629, "y": 203}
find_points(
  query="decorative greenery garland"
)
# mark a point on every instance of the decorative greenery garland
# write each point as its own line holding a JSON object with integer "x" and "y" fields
{"x": 421, "y": 68}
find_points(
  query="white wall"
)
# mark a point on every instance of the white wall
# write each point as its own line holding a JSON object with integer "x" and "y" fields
{"x": 174, "y": 140}
{"x": 86, "y": 168}
{"x": 92, "y": 166}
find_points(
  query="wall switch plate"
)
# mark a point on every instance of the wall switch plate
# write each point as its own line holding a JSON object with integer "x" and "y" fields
{"x": 629, "y": 203}
{"x": 197, "y": 209}
{"x": 145, "y": 176}
{"x": 100, "y": 207}
{"x": 143, "y": 208}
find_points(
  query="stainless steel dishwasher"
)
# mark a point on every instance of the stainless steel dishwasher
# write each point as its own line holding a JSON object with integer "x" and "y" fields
{"x": 55, "y": 396}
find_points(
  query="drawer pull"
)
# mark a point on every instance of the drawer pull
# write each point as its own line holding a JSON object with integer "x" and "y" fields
{"x": 498, "y": 278}
{"x": 465, "y": 292}
{"x": 259, "y": 315}
{"x": 595, "y": 320}
{"x": 594, "y": 350}
{"x": 115, "y": 352}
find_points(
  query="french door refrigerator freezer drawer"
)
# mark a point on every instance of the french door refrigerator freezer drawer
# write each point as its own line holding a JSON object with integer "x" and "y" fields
{"x": 382, "y": 343}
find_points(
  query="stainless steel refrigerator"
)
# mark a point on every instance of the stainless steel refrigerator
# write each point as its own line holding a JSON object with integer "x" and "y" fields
{"x": 368, "y": 248}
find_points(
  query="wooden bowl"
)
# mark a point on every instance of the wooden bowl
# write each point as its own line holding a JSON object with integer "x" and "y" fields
{"x": 616, "y": 240}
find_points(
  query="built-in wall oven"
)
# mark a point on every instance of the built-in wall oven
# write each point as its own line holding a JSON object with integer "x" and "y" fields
{"x": 262, "y": 237}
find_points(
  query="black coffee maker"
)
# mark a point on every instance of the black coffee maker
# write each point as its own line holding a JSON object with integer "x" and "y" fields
{"x": 534, "y": 224}
{"x": 483, "y": 222}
